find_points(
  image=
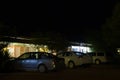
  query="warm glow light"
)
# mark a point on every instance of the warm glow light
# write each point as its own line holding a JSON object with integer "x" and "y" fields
{"x": 11, "y": 51}
{"x": 16, "y": 49}
{"x": 41, "y": 49}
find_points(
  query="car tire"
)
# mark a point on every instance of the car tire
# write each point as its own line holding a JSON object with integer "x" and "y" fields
{"x": 42, "y": 68}
{"x": 97, "y": 61}
{"x": 71, "y": 65}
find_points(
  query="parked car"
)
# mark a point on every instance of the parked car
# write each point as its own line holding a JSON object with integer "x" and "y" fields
{"x": 100, "y": 57}
{"x": 73, "y": 59}
{"x": 39, "y": 61}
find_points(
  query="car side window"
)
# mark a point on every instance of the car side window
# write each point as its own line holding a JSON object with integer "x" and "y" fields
{"x": 39, "y": 56}
{"x": 43, "y": 56}
{"x": 68, "y": 54}
{"x": 92, "y": 54}
{"x": 100, "y": 54}
{"x": 84, "y": 54}
{"x": 33, "y": 56}
{"x": 62, "y": 54}
{"x": 25, "y": 56}
{"x": 78, "y": 54}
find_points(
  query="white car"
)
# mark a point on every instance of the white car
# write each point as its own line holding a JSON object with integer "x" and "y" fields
{"x": 99, "y": 57}
{"x": 73, "y": 59}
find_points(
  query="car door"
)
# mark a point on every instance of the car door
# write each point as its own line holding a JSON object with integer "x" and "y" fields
{"x": 31, "y": 62}
{"x": 79, "y": 56}
{"x": 27, "y": 61}
{"x": 86, "y": 59}
{"x": 21, "y": 62}
{"x": 62, "y": 55}
{"x": 102, "y": 57}
{"x": 71, "y": 56}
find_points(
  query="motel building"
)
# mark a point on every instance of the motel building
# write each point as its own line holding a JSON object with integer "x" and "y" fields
{"x": 80, "y": 47}
{"x": 18, "y": 46}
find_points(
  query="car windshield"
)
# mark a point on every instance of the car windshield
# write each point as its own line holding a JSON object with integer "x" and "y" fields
{"x": 50, "y": 55}
{"x": 78, "y": 53}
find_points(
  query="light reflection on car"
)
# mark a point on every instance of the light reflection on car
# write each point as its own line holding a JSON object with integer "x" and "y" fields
{"x": 39, "y": 61}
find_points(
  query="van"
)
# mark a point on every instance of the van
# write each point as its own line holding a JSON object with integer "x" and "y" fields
{"x": 98, "y": 57}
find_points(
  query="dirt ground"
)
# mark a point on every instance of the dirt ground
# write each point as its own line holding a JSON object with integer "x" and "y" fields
{"x": 94, "y": 72}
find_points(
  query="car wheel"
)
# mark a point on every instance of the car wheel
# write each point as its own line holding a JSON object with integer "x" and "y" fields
{"x": 97, "y": 61}
{"x": 71, "y": 65}
{"x": 42, "y": 68}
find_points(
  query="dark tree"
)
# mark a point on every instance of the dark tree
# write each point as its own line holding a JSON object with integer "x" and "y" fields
{"x": 4, "y": 56}
{"x": 54, "y": 40}
{"x": 8, "y": 30}
{"x": 111, "y": 29}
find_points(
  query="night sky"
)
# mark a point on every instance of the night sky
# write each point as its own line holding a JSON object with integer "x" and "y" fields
{"x": 73, "y": 19}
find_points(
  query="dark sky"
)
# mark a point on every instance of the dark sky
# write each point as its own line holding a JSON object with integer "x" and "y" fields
{"x": 71, "y": 18}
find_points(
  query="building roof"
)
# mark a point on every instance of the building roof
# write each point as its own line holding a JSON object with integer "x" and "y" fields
{"x": 25, "y": 40}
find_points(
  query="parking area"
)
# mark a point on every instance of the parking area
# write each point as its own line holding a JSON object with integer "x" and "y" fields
{"x": 94, "y": 72}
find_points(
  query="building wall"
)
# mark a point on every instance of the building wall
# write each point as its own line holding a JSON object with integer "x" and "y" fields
{"x": 16, "y": 49}
{"x": 83, "y": 49}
